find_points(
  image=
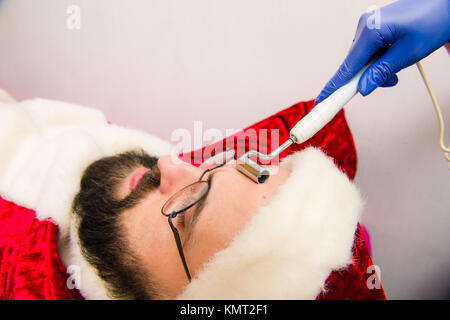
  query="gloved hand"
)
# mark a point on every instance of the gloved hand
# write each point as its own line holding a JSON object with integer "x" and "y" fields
{"x": 409, "y": 30}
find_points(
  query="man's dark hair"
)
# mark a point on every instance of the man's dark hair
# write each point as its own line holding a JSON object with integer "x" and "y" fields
{"x": 101, "y": 233}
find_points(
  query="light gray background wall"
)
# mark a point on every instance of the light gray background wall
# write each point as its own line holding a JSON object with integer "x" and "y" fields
{"x": 159, "y": 65}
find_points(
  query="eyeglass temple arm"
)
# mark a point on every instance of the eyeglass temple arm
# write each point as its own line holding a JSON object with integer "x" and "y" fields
{"x": 208, "y": 170}
{"x": 179, "y": 246}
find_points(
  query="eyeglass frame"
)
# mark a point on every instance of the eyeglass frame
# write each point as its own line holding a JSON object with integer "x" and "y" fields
{"x": 172, "y": 215}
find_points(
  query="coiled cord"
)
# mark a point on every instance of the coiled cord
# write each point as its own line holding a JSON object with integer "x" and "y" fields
{"x": 438, "y": 112}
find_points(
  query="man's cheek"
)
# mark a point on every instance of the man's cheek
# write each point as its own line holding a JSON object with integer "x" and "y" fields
{"x": 217, "y": 233}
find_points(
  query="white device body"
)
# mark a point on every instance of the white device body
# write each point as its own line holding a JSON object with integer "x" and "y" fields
{"x": 322, "y": 113}
{"x": 308, "y": 126}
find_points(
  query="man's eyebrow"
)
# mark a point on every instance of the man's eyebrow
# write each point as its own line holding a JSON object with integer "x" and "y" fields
{"x": 198, "y": 210}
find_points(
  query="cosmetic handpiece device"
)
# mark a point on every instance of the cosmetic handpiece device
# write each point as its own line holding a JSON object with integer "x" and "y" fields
{"x": 307, "y": 127}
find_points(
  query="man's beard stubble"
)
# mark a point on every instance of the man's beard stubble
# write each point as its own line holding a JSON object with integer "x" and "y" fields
{"x": 102, "y": 238}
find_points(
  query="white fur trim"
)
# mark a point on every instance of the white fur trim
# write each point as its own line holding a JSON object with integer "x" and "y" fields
{"x": 6, "y": 97}
{"x": 290, "y": 246}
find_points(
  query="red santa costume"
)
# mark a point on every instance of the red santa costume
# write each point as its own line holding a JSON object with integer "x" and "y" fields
{"x": 306, "y": 243}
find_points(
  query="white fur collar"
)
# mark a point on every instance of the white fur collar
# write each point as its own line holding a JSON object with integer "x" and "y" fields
{"x": 286, "y": 251}
{"x": 291, "y": 245}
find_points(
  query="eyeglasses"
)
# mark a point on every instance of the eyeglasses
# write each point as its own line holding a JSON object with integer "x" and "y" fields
{"x": 189, "y": 196}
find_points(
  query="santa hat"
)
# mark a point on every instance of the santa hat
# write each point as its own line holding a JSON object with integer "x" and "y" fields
{"x": 287, "y": 250}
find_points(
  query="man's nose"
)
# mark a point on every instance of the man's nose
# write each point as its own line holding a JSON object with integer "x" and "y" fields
{"x": 176, "y": 174}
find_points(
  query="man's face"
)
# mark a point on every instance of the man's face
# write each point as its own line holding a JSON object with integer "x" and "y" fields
{"x": 208, "y": 227}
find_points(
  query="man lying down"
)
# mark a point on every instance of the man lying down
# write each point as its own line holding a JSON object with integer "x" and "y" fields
{"x": 106, "y": 187}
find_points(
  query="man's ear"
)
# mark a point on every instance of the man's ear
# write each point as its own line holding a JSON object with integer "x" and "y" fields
{"x": 6, "y": 97}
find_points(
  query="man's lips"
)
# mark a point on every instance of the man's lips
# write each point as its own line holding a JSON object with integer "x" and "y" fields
{"x": 136, "y": 177}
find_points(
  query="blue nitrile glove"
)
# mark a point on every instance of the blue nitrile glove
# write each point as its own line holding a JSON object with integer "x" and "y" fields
{"x": 408, "y": 31}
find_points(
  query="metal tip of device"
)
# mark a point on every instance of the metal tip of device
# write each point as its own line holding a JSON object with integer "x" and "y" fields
{"x": 252, "y": 170}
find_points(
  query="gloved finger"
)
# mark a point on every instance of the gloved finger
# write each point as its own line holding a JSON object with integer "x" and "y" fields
{"x": 366, "y": 44}
{"x": 392, "y": 81}
{"x": 382, "y": 70}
